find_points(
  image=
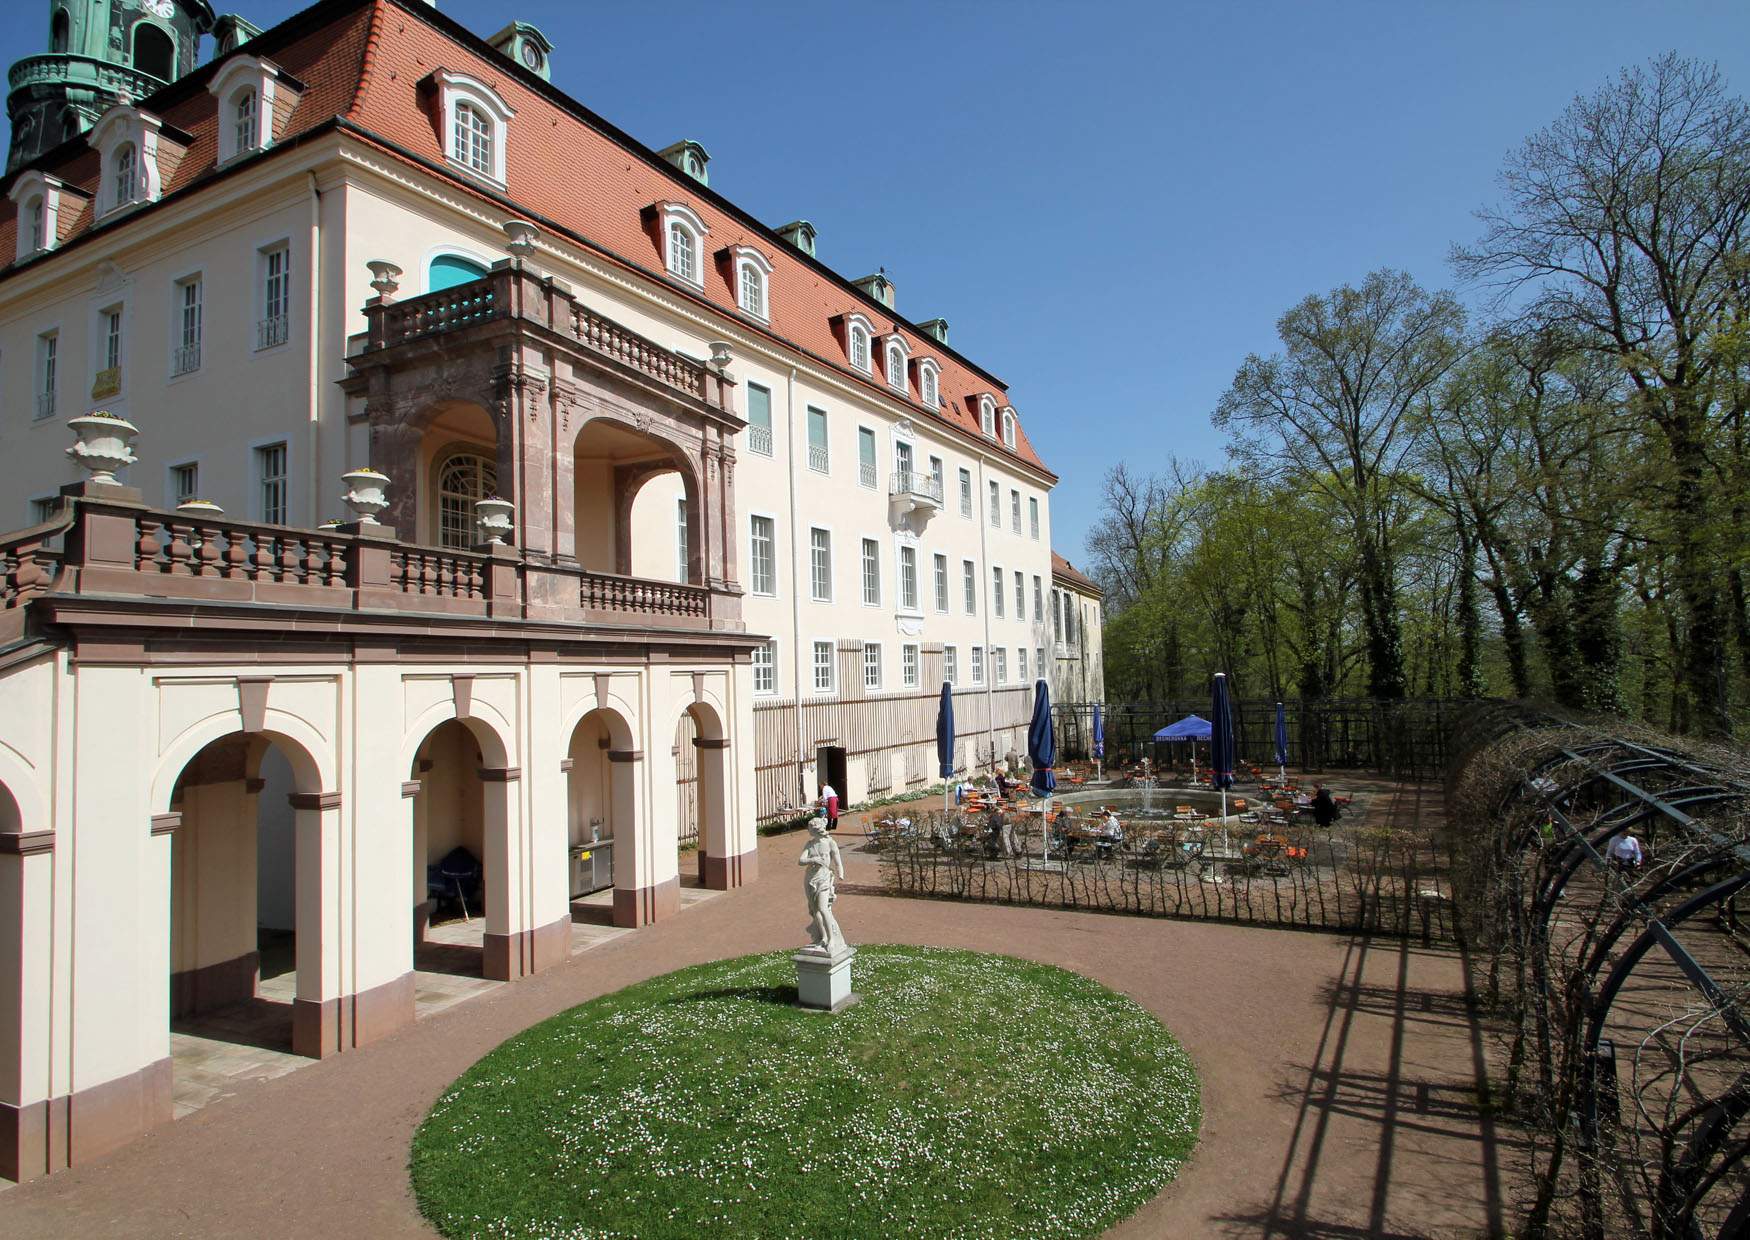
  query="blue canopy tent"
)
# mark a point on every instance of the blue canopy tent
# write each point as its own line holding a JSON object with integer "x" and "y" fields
{"x": 1191, "y": 728}
{"x": 945, "y": 743}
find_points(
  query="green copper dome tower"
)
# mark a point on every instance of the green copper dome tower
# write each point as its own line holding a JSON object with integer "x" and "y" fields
{"x": 99, "y": 51}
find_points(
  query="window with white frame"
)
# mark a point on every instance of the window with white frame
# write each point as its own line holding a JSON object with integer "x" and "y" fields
{"x": 185, "y": 349}
{"x": 759, "y": 420}
{"x": 908, "y": 577}
{"x": 996, "y": 506}
{"x": 1021, "y": 663}
{"x": 244, "y": 121}
{"x": 765, "y": 667}
{"x": 987, "y": 417}
{"x": 969, "y": 582}
{"x": 682, "y": 257}
{"x": 48, "y": 348}
{"x": 1038, "y": 600}
{"x": 818, "y": 455}
{"x": 823, "y": 667}
{"x": 1033, "y": 516}
{"x": 866, "y": 472}
{"x": 872, "y": 665}
{"x": 1014, "y": 512}
{"x": 476, "y": 125}
{"x": 871, "y": 573}
{"x": 951, "y": 664}
{"x": 859, "y": 334}
{"x": 109, "y": 345}
{"x": 270, "y": 483}
{"x": 753, "y": 275}
{"x": 902, "y": 463}
{"x": 1056, "y": 615}
{"x": 936, "y": 476}
{"x": 929, "y": 383}
{"x": 275, "y": 325}
{"x": 764, "y": 557}
{"x": 1009, "y": 428}
{"x": 682, "y": 551}
{"x": 996, "y": 593}
{"x": 908, "y": 666}
{"x": 978, "y": 665}
{"x": 124, "y": 175}
{"x": 463, "y": 479}
{"x": 185, "y": 483}
{"x": 820, "y": 565}
{"x": 941, "y": 583}
{"x": 34, "y": 232}
{"x": 1039, "y": 662}
{"x": 966, "y": 493}
{"x": 999, "y": 664}
{"x": 1020, "y": 595}
{"x": 683, "y": 242}
{"x": 896, "y": 364}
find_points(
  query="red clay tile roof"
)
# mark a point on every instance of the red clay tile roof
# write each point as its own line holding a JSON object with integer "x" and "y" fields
{"x": 362, "y": 62}
{"x": 1064, "y": 570}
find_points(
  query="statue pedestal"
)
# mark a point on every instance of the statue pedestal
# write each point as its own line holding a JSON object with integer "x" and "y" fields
{"x": 823, "y": 983}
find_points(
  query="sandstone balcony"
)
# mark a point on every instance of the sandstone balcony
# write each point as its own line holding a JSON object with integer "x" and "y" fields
{"x": 910, "y": 490}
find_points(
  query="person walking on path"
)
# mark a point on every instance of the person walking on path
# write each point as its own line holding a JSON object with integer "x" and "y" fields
{"x": 829, "y": 805}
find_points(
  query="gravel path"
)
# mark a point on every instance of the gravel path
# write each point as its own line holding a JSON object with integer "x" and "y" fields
{"x": 1339, "y": 1078}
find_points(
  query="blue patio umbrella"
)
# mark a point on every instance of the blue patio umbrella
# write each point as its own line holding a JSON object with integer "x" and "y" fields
{"x": 1282, "y": 742}
{"x": 1191, "y": 728}
{"x": 945, "y": 740}
{"x": 1099, "y": 734}
{"x": 1042, "y": 753}
{"x": 1221, "y": 740}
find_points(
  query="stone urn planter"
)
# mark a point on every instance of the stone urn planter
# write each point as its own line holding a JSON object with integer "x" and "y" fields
{"x": 494, "y": 516}
{"x": 200, "y": 508}
{"x": 366, "y": 494}
{"x": 105, "y": 445}
{"x": 385, "y": 277}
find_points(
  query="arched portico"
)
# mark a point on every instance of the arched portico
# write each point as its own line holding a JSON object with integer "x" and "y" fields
{"x": 604, "y": 828}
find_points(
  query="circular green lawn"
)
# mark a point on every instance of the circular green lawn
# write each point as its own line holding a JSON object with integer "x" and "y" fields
{"x": 966, "y": 1095}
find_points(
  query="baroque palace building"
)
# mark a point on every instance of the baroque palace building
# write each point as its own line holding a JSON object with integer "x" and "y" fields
{"x": 751, "y": 520}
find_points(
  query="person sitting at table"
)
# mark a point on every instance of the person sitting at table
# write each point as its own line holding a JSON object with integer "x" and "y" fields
{"x": 1003, "y": 785}
{"x": 1109, "y": 835}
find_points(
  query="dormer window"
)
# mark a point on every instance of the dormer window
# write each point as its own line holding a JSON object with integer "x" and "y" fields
{"x": 896, "y": 352}
{"x": 929, "y": 382}
{"x": 987, "y": 417}
{"x": 39, "y": 204}
{"x": 859, "y": 333}
{"x": 127, "y": 141}
{"x": 475, "y": 124}
{"x": 683, "y": 241}
{"x": 752, "y": 278}
{"x": 247, "y": 88}
{"x": 1009, "y": 428}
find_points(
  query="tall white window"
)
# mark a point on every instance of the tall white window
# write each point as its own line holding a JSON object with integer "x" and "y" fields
{"x": 902, "y": 462}
{"x": 866, "y": 473}
{"x": 996, "y": 507}
{"x": 996, "y": 592}
{"x": 1021, "y": 663}
{"x": 896, "y": 367}
{"x": 759, "y": 420}
{"x": 681, "y": 256}
{"x": 820, "y": 565}
{"x": 1039, "y": 662}
{"x": 942, "y": 583}
{"x": 1038, "y": 600}
{"x": 110, "y": 325}
{"x": 908, "y": 578}
{"x": 818, "y": 456}
{"x": 270, "y": 483}
{"x": 823, "y": 667}
{"x": 185, "y": 483}
{"x": 999, "y": 664}
{"x": 936, "y": 478}
{"x": 1056, "y": 616}
{"x": 1015, "y": 512}
{"x": 859, "y": 347}
{"x": 764, "y": 557}
{"x": 966, "y": 493}
{"x": 127, "y": 174}
{"x": 751, "y": 296}
{"x": 987, "y": 413}
{"x": 1033, "y": 516}
{"x": 47, "y": 365}
{"x": 765, "y": 667}
{"x": 969, "y": 581}
{"x": 245, "y": 120}
{"x": 37, "y": 211}
{"x": 871, "y": 572}
{"x": 186, "y": 355}
{"x": 951, "y": 664}
{"x": 927, "y": 391}
{"x": 473, "y": 139}
{"x": 682, "y": 550}
{"x": 978, "y": 665}
{"x": 463, "y": 479}
{"x": 1020, "y": 595}
{"x": 872, "y": 665}
{"x": 908, "y": 666}
{"x": 276, "y": 298}
{"x": 1009, "y": 430}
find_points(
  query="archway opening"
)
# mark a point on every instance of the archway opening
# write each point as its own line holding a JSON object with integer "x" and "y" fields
{"x": 635, "y": 506}
{"x": 600, "y": 799}
{"x": 244, "y": 918}
{"x": 58, "y": 31}
{"x": 154, "y": 53}
{"x": 449, "y": 270}
{"x": 702, "y": 770}
{"x": 458, "y": 465}
{"x": 451, "y": 895}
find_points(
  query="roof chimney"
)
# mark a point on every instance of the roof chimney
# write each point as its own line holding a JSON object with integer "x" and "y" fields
{"x": 878, "y": 286}
{"x": 935, "y": 329}
{"x": 690, "y": 158}
{"x": 799, "y": 233}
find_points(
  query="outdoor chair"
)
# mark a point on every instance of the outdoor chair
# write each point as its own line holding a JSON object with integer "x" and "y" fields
{"x": 1184, "y": 811}
{"x": 456, "y": 878}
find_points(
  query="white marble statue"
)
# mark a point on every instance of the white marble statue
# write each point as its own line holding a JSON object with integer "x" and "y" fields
{"x": 819, "y": 859}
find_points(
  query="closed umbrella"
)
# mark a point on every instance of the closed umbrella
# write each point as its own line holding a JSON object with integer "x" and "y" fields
{"x": 945, "y": 742}
{"x": 1282, "y": 742}
{"x": 1042, "y": 753}
{"x": 1099, "y": 743}
{"x": 1221, "y": 740}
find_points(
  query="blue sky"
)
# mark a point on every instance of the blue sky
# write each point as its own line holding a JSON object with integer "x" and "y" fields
{"x": 1110, "y": 203}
